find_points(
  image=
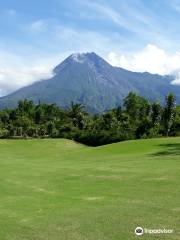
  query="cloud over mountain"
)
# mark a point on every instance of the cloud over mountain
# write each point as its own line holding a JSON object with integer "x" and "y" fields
{"x": 151, "y": 59}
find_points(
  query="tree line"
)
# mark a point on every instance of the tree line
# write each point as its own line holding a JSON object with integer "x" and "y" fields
{"x": 136, "y": 118}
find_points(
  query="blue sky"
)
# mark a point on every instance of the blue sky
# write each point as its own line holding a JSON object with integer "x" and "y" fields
{"x": 140, "y": 35}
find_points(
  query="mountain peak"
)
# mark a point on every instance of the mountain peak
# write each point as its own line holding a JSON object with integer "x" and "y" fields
{"x": 78, "y": 57}
{"x": 90, "y": 58}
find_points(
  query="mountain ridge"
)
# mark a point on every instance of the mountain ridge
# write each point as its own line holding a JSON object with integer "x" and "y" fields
{"x": 88, "y": 79}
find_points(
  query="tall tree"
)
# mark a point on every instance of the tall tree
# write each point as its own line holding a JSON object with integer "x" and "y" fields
{"x": 169, "y": 113}
{"x": 155, "y": 114}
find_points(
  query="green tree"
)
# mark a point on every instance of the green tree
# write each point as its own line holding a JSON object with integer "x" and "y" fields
{"x": 156, "y": 114}
{"x": 25, "y": 107}
{"x": 169, "y": 113}
{"x": 77, "y": 114}
{"x": 137, "y": 107}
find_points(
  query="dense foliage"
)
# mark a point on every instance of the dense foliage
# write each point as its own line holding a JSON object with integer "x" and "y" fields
{"x": 137, "y": 118}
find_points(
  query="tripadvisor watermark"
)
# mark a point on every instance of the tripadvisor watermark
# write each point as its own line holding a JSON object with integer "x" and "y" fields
{"x": 139, "y": 231}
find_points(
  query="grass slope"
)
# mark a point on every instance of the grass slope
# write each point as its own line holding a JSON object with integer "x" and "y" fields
{"x": 60, "y": 190}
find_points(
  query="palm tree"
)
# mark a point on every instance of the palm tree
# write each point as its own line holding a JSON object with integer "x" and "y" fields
{"x": 77, "y": 114}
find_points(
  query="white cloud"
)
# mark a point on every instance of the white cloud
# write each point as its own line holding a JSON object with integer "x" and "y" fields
{"x": 130, "y": 15}
{"x": 11, "y": 79}
{"x": 151, "y": 59}
{"x": 16, "y": 71}
{"x": 108, "y": 12}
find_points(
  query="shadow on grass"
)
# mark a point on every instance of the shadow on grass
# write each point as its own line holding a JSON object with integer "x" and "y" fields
{"x": 170, "y": 149}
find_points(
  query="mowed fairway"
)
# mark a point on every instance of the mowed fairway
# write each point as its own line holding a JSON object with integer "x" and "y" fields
{"x": 61, "y": 190}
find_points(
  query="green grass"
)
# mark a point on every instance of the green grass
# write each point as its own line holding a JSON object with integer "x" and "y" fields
{"x": 61, "y": 190}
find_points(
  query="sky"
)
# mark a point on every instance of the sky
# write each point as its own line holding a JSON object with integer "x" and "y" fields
{"x": 36, "y": 35}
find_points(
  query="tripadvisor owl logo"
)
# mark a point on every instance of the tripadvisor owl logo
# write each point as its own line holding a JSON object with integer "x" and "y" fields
{"x": 139, "y": 231}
